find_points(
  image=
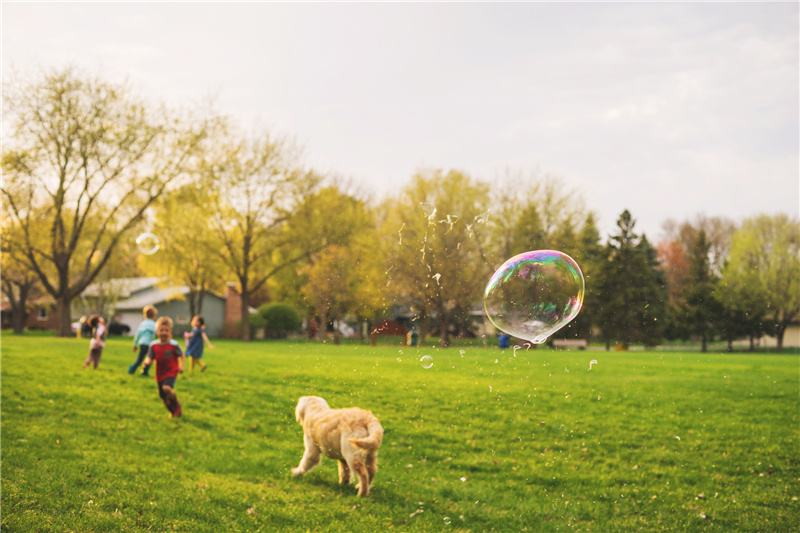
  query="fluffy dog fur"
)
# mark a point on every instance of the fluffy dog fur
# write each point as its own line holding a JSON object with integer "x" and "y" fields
{"x": 350, "y": 436}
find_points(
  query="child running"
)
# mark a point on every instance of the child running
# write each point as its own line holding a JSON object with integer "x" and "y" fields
{"x": 196, "y": 342}
{"x": 98, "y": 325}
{"x": 169, "y": 363}
{"x": 145, "y": 334}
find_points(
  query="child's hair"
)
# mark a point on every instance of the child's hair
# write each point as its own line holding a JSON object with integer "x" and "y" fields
{"x": 198, "y": 321}
{"x": 150, "y": 312}
{"x": 93, "y": 320}
{"x": 164, "y": 320}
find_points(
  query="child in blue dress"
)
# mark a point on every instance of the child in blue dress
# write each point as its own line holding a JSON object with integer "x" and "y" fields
{"x": 197, "y": 341}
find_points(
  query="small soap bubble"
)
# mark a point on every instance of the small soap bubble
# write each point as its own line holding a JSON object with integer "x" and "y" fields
{"x": 148, "y": 243}
{"x": 534, "y": 294}
{"x": 462, "y": 352}
{"x": 426, "y": 361}
{"x": 447, "y": 520}
{"x": 592, "y": 362}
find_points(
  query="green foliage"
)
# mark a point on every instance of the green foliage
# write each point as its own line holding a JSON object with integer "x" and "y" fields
{"x": 643, "y": 441}
{"x": 87, "y": 159}
{"x": 632, "y": 295}
{"x": 434, "y": 258}
{"x": 280, "y": 317}
{"x": 762, "y": 275}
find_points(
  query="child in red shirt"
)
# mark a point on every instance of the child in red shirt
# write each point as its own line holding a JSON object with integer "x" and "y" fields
{"x": 169, "y": 363}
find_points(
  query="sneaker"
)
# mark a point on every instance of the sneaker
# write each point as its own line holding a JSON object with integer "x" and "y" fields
{"x": 204, "y": 368}
{"x": 131, "y": 369}
{"x": 177, "y": 412}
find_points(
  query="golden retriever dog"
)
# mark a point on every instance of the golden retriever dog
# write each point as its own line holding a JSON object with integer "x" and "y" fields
{"x": 350, "y": 436}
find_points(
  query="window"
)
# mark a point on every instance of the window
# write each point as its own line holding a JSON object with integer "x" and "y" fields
{"x": 41, "y": 314}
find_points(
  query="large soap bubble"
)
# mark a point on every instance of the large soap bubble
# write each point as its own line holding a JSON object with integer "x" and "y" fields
{"x": 533, "y": 295}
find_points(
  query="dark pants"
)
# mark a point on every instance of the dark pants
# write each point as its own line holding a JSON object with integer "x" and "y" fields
{"x": 94, "y": 357}
{"x": 143, "y": 349}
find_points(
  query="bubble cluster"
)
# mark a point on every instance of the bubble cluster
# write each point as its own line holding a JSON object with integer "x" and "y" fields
{"x": 148, "y": 243}
{"x": 534, "y": 294}
{"x": 426, "y": 361}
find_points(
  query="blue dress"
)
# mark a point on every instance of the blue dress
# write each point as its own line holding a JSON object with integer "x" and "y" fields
{"x": 195, "y": 348}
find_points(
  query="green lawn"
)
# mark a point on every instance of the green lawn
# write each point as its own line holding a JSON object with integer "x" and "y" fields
{"x": 481, "y": 441}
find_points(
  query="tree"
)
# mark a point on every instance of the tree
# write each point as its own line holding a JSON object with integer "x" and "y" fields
{"x": 674, "y": 264}
{"x": 255, "y": 182}
{"x": 631, "y": 292}
{"x": 181, "y": 219}
{"x": 83, "y": 162}
{"x": 339, "y": 273}
{"x": 433, "y": 261}
{"x": 19, "y": 283}
{"x": 589, "y": 257}
{"x": 701, "y": 309}
{"x": 762, "y": 274}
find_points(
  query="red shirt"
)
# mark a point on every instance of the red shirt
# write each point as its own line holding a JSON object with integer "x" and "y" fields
{"x": 166, "y": 358}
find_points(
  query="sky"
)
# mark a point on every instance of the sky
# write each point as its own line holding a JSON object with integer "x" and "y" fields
{"x": 669, "y": 110}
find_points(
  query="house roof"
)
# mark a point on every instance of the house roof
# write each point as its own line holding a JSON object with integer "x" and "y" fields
{"x": 156, "y": 296}
{"x": 123, "y": 287}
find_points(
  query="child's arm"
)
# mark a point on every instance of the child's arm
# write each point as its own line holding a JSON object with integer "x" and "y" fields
{"x": 208, "y": 342}
{"x": 149, "y": 359}
{"x": 180, "y": 363}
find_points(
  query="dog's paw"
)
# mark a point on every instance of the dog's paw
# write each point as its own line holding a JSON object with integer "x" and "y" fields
{"x": 296, "y": 472}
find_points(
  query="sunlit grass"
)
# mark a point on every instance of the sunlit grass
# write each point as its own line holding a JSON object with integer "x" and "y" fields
{"x": 480, "y": 442}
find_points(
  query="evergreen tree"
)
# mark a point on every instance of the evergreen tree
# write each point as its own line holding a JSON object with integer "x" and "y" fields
{"x": 631, "y": 290}
{"x": 701, "y": 309}
{"x": 588, "y": 256}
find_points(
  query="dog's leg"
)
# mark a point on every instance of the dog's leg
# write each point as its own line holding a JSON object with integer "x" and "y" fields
{"x": 344, "y": 472}
{"x": 372, "y": 466}
{"x": 363, "y": 478}
{"x": 311, "y": 458}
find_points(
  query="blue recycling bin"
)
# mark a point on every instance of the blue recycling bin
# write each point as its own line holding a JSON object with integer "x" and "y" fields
{"x": 504, "y": 340}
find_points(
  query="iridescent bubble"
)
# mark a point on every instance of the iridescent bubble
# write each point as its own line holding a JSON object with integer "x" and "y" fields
{"x": 148, "y": 243}
{"x": 447, "y": 520}
{"x": 426, "y": 361}
{"x": 533, "y": 295}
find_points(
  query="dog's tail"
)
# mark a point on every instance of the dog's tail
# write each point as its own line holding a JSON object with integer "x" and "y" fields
{"x": 373, "y": 439}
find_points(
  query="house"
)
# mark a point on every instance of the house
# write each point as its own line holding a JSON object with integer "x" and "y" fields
{"x": 42, "y": 314}
{"x": 131, "y": 295}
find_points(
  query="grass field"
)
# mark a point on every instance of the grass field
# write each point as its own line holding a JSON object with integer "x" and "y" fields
{"x": 481, "y": 441}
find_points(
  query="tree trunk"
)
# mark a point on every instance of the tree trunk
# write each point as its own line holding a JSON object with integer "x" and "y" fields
{"x": 64, "y": 317}
{"x": 703, "y": 343}
{"x": 779, "y": 331}
{"x": 752, "y": 343}
{"x": 322, "y": 330}
{"x": 444, "y": 333}
{"x": 245, "y": 314}
{"x": 19, "y": 309}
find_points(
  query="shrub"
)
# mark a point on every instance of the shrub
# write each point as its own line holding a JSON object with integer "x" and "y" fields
{"x": 279, "y": 319}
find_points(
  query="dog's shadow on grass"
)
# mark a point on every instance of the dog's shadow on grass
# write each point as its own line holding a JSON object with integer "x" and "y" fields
{"x": 332, "y": 488}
